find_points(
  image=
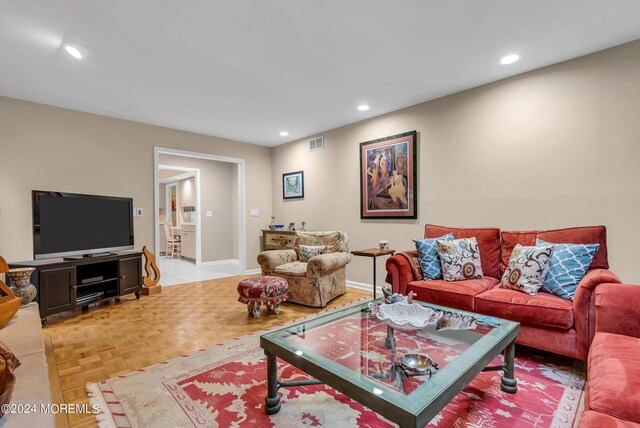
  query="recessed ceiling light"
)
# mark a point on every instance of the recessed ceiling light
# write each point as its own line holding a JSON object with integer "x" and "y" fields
{"x": 284, "y": 134}
{"x": 363, "y": 107}
{"x": 75, "y": 50}
{"x": 509, "y": 59}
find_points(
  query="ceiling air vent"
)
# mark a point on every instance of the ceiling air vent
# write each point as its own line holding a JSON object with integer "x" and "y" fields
{"x": 316, "y": 144}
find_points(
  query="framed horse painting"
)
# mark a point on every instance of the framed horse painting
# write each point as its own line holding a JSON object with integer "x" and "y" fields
{"x": 388, "y": 177}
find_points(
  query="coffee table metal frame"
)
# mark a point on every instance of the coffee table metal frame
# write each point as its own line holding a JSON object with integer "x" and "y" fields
{"x": 408, "y": 410}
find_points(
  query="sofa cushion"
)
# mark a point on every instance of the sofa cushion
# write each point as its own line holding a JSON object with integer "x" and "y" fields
{"x": 542, "y": 309}
{"x": 459, "y": 294}
{"x": 613, "y": 376}
{"x": 428, "y": 258}
{"x": 591, "y": 419}
{"x": 306, "y": 252}
{"x": 582, "y": 235}
{"x": 460, "y": 259}
{"x": 509, "y": 240}
{"x": 569, "y": 264}
{"x": 488, "y": 243}
{"x": 335, "y": 241}
{"x": 527, "y": 268}
{"x": 293, "y": 269}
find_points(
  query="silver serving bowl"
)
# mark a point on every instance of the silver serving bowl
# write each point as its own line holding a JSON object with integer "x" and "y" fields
{"x": 416, "y": 362}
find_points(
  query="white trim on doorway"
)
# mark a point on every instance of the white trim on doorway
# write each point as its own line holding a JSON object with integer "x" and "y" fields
{"x": 241, "y": 198}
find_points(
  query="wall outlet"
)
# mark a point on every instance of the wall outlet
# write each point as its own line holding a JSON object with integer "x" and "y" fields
{"x": 209, "y": 213}
{"x": 255, "y": 212}
{"x": 138, "y": 212}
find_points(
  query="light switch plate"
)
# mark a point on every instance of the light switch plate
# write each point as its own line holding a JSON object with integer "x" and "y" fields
{"x": 255, "y": 212}
{"x": 209, "y": 213}
{"x": 138, "y": 212}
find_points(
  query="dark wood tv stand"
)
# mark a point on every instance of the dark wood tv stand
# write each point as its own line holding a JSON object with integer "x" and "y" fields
{"x": 70, "y": 284}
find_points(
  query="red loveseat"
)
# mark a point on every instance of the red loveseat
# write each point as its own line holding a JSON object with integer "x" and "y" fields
{"x": 548, "y": 322}
{"x": 613, "y": 368}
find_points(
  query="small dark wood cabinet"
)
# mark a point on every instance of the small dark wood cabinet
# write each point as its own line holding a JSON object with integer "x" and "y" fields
{"x": 69, "y": 284}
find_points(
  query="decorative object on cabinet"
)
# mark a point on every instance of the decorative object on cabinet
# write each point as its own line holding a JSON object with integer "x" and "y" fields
{"x": 292, "y": 226}
{"x": 293, "y": 185}
{"x": 388, "y": 177}
{"x": 173, "y": 242}
{"x": 272, "y": 225}
{"x": 20, "y": 284}
{"x": 9, "y": 302}
{"x": 150, "y": 281}
{"x": 304, "y": 226}
{"x": 277, "y": 239}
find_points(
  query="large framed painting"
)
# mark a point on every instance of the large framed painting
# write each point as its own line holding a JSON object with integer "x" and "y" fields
{"x": 293, "y": 185}
{"x": 388, "y": 176}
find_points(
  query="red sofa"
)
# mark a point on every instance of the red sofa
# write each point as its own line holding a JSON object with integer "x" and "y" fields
{"x": 613, "y": 368}
{"x": 547, "y": 322}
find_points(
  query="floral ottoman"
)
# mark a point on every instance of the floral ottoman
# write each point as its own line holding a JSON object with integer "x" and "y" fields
{"x": 270, "y": 290}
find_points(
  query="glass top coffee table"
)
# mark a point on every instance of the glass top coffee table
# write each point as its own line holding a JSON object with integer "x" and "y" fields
{"x": 407, "y": 375}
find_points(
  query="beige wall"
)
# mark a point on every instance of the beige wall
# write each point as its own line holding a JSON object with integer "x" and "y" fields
{"x": 556, "y": 147}
{"x": 217, "y": 182}
{"x": 49, "y": 148}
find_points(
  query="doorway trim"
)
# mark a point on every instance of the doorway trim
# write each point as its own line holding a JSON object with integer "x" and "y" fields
{"x": 241, "y": 197}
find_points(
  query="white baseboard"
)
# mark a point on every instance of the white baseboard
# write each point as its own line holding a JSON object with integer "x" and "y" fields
{"x": 252, "y": 271}
{"x": 361, "y": 286}
{"x": 221, "y": 262}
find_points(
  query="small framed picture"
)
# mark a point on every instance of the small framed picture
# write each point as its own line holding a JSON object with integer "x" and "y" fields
{"x": 293, "y": 185}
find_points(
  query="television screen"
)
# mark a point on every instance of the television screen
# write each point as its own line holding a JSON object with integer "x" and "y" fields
{"x": 69, "y": 224}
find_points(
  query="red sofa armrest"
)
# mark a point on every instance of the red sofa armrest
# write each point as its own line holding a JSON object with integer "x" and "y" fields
{"x": 584, "y": 312}
{"x": 617, "y": 309}
{"x": 401, "y": 270}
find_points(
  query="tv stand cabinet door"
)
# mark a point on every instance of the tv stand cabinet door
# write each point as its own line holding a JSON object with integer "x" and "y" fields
{"x": 57, "y": 290}
{"x": 130, "y": 275}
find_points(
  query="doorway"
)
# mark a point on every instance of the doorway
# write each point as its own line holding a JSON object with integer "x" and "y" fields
{"x": 186, "y": 198}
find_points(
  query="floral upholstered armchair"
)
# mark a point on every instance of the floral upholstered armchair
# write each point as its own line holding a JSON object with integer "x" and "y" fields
{"x": 314, "y": 268}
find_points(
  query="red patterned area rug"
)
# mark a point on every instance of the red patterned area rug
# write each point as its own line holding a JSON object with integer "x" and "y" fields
{"x": 225, "y": 386}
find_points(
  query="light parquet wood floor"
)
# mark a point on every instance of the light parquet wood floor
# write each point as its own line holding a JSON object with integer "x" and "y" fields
{"x": 127, "y": 334}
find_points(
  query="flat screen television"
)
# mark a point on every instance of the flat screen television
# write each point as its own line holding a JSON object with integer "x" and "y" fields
{"x": 74, "y": 225}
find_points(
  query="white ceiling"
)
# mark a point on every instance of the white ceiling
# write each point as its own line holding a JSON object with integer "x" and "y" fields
{"x": 246, "y": 70}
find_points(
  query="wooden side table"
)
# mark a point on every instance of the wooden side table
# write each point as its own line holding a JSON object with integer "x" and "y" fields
{"x": 373, "y": 252}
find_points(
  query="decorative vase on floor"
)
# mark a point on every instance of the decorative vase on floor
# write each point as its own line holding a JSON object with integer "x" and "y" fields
{"x": 21, "y": 285}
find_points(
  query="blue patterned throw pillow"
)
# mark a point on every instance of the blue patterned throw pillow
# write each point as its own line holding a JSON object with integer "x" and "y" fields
{"x": 428, "y": 258}
{"x": 569, "y": 264}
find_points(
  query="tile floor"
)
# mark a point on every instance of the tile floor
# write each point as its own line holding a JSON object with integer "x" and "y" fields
{"x": 179, "y": 271}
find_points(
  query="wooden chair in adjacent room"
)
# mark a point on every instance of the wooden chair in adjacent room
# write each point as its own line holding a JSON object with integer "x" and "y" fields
{"x": 173, "y": 242}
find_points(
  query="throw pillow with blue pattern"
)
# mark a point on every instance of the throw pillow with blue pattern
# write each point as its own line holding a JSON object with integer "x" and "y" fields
{"x": 428, "y": 258}
{"x": 569, "y": 264}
